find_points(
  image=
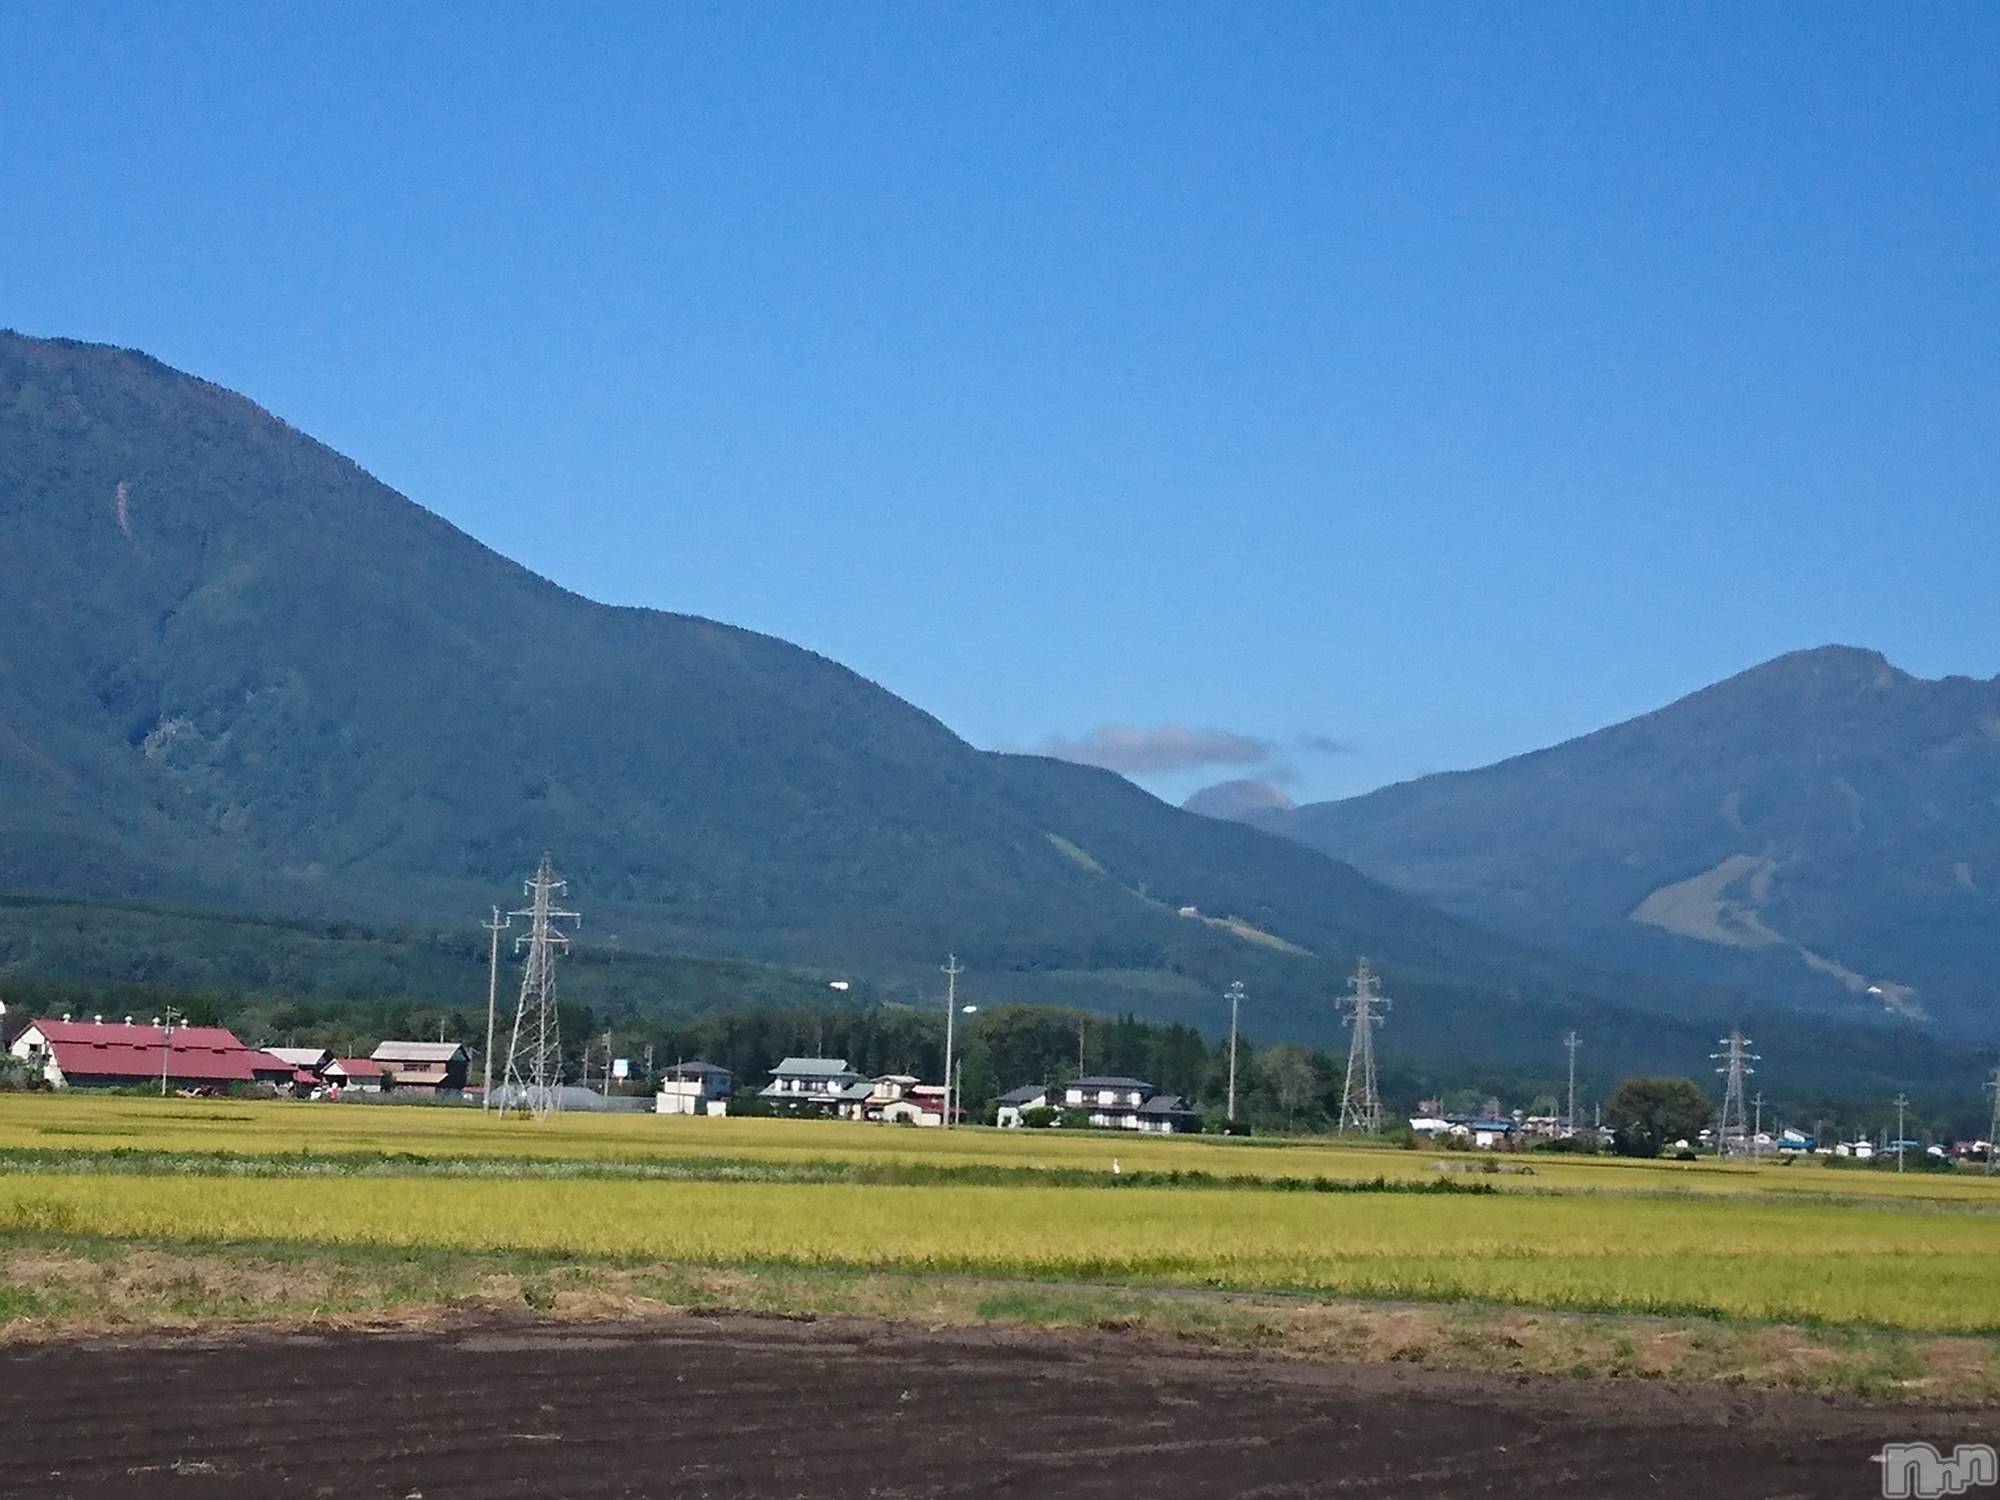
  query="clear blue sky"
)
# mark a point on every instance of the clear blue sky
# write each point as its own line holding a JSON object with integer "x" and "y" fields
{"x": 1438, "y": 380}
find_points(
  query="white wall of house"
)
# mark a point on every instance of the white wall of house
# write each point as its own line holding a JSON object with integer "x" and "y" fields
{"x": 32, "y": 1048}
{"x": 687, "y": 1096}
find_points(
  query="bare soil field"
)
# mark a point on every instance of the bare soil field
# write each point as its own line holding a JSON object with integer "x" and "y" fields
{"x": 738, "y": 1406}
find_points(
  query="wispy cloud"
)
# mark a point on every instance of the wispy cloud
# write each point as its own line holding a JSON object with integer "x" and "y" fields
{"x": 1167, "y": 747}
{"x": 1135, "y": 751}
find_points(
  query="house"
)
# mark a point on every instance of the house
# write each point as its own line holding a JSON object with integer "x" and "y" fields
{"x": 1168, "y": 1114}
{"x": 694, "y": 1088}
{"x": 306, "y": 1063}
{"x": 425, "y": 1065}
{"x": 312, "y": 1059}
{"x": 122, "y": 1054}
{"x": 1486, "y": 1133}
{"x": 892, "y": 1099}
{"x": 358, "y": 1075}
{"x": 1015, "y": 1103}
{"x": 809, "y": 1083}
{"x": 1119, "y": 1103}
{"x": 921, "y": 1104}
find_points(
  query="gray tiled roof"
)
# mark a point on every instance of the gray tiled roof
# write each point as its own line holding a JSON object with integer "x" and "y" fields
{"x": 813, "y": 1067}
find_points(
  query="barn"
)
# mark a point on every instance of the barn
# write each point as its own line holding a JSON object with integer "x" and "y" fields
{"x": 121, "y": 1054}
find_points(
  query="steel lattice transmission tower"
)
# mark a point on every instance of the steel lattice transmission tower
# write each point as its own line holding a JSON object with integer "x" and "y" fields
{"x": 534, "y": 1060}
{"x": 1360, "y": 1103}
{"x": 1993, "y": 1130}
{"x": 1735, "y": 1058}
{"x": 1571, "y": 1042}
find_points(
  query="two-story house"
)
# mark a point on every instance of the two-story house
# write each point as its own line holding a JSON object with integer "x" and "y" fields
{"x": 893, "y": 1099}
{"x": 813, "y": 1084}
{"x": 1119, "y": 1103}
{"x": 694, "y": 1088}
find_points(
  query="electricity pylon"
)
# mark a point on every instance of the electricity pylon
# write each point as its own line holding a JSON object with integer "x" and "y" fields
{"x": 1572, "y": 1041}
{"x": 1735, "y": 1059}
{"x": 1993, "y": 1130}
{"x": 534, "y": 1060}
{"x": 1360, "y": 1103}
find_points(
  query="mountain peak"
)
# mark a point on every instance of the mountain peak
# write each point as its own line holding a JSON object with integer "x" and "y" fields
{"x": 1859, "y": 662}
{"x": 1239, "y": 800}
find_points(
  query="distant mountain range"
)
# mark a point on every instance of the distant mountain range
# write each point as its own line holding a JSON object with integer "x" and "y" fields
{"x": 239, "y": 674}
{"x": 1823, "y": 828}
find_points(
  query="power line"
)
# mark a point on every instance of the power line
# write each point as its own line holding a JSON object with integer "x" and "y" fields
{"x": 1360, "y": 1101}
{"x": 534, "y": 1060}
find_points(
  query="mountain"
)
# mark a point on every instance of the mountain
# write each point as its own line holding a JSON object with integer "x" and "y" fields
{"x": 1823, "y": 828}
{"x": 1238, "y": 801}
{"x": 238, "y": 675}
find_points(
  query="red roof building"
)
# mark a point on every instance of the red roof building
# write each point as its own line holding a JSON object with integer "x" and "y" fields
{"x": 361, "y": 1073}
{"x": 104, "y": 1054}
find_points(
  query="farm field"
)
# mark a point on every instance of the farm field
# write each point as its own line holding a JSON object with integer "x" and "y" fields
{"x": 1792, "y": 1261}
{"x": 1801, "y": 1244}
{"x": 743, "y": 1407}
{"x": 77, "y": 1123}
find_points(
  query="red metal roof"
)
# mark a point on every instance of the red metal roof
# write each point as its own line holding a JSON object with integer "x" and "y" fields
{"x": 356, "y": 1067}
{"x": 184, "y": 1036}
{"x": 201, "y": 1055}
{"x": 114, "y": 1049}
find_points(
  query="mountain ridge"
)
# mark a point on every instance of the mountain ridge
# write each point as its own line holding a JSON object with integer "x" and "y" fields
{"x": 244, "y": 675}
{"x": 249, "y": 675}
{"x": 1818, "y": 823}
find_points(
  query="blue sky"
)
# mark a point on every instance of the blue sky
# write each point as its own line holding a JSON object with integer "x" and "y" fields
{"x": 1365, "y": 389}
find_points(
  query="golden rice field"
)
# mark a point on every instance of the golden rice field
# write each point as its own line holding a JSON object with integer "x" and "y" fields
{"x": 1921, "y": 1254}
{"x": 100, "y": 1123}
{"x": 1787, "y": 1261}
